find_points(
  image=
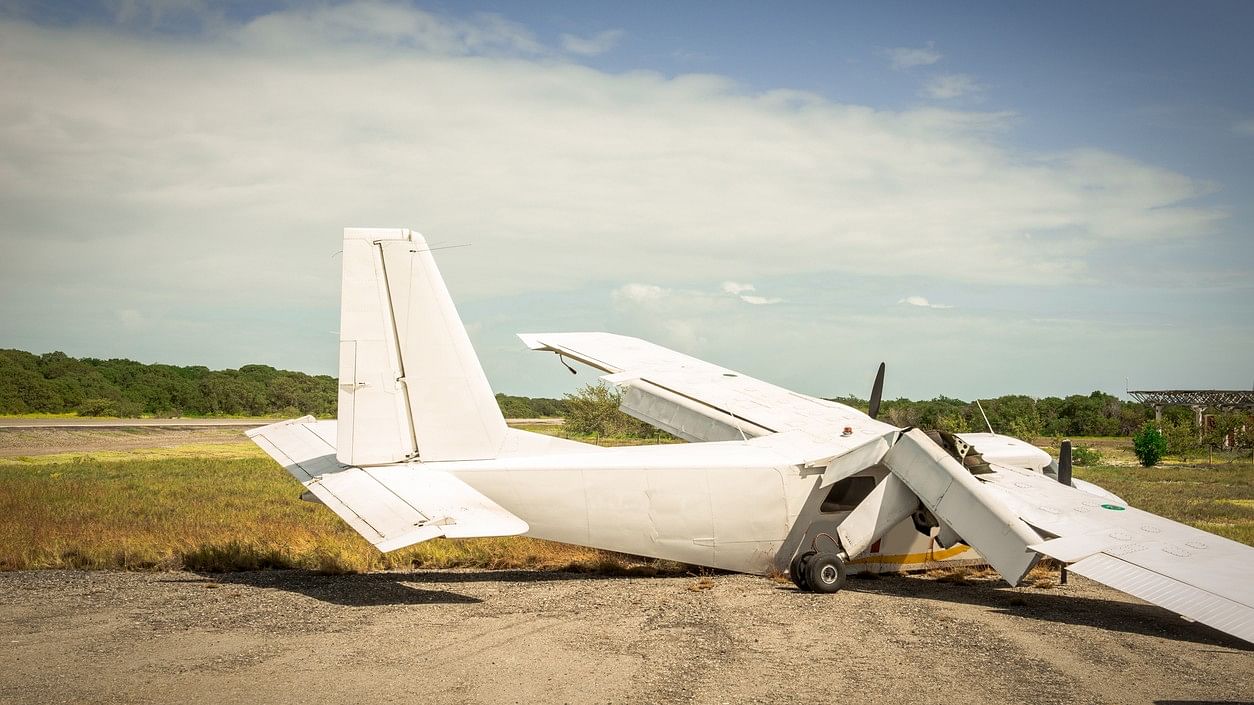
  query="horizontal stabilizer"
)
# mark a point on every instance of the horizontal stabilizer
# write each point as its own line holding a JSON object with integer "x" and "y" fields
{"x": 390, "y": 506}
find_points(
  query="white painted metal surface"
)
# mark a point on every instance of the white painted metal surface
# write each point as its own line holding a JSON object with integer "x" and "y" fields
{"x": 712, "y": 389}
{"x": 1200, "y": 605}
{"x": 408, "y": 374}
{"x": 889, "y": 504}
{"x": 1132, "y": 550}
{"x": 953, "y": 494}
{"x": 1005, "y": 450}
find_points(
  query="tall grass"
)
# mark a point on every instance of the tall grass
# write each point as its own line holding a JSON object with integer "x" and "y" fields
{"x": 219, "y": 514}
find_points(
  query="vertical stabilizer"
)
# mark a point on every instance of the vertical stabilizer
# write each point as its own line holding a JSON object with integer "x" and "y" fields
{"x": 411, "y": 386}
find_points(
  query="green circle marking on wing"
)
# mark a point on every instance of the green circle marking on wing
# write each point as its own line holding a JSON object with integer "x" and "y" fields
{"x": 1114, "y": 507}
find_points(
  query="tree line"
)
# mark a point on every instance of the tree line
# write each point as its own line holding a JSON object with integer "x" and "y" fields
{"x": 1096, "y": 414}
{"x": 57, "y": 383}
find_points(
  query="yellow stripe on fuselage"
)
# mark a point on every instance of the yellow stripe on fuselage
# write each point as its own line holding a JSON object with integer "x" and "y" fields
{"x": 906, "y": 558}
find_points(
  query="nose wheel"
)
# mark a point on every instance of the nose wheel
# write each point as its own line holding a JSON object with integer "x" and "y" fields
{"x": 818, "y": 572}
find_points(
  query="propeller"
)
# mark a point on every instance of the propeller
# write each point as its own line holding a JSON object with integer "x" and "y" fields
{"x": 877, "y": 390}
{"x": 1064, "y": 463}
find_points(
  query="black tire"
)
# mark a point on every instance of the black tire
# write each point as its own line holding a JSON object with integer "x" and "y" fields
{"x": 797, "y": 569}
{"x": 826, "y": 573}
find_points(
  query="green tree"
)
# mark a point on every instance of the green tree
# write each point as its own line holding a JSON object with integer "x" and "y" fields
{"x": 593, "y": 411}
{"x": 1181, "y": 439}
{"x": 1150, "y": 445}
{"x": 1014, "y": 415}
{"x": 1229, "y": 429}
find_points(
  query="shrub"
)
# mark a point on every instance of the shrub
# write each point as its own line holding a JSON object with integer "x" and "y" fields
{"x": 1084, "y": 455}
{"x": 593, "y": 411}
{"x": 1150, "y": 445}
{"x": 1181, "y": 439}
{"x": 98, "y": 407}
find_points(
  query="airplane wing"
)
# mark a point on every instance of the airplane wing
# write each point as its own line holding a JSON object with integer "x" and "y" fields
{"x": 1008, "y": 515}
{"x": 1202, "y": 576}
{"x": 391, "y": 506}
{"x": 700, "y": 401}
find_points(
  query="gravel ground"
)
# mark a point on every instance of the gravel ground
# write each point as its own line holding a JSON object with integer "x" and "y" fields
{"x": 525, "y": 637}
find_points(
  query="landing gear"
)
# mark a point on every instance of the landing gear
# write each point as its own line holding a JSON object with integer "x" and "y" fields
{"x": 797, "y": 569}
{"x": 818, "y": 572}
{"x": 825, "y": 572}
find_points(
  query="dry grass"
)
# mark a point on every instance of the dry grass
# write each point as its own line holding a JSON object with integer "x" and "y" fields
{"x": 701, "y": 584}
{"x": 1218, "y": 498}
{"x": 175, "y": 508}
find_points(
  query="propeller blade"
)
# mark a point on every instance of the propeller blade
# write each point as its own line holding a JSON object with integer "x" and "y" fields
{"x": 1064, "y": 463}
{"x": 877, "y": 390}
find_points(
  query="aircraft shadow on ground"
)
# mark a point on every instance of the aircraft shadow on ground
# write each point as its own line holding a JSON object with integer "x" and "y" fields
{"x": 360, "y": 590}
{"x": 1110, "y": 615}
{"x": 378, "y": 589}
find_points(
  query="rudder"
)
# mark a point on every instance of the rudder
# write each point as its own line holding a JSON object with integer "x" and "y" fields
{"x": 411, "y": 386}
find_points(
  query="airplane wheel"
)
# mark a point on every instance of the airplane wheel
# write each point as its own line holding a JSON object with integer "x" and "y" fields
{"x": 797, "y": 569}
{"x": 825, "y": 573}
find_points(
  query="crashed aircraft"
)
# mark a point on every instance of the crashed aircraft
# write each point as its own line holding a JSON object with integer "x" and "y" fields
{"x": 771, "y": 480}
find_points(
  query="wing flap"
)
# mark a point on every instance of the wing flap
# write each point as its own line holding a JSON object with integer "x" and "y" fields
{"x": 673, "y": 387}
{"x": 1195, "y": 603}
{"x": 391, "y": 506}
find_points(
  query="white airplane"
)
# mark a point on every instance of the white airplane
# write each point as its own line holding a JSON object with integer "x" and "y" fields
{"x": 771, "y": 480}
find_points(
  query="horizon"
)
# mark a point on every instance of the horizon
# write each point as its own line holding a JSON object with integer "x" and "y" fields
{"x": 1044, "y": 200}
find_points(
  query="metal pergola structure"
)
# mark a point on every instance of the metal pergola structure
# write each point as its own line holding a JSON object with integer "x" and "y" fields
{"x": 1205, "y": 398}
{"x": 1198, "y": 399}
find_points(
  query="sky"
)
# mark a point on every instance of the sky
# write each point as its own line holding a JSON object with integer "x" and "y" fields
{"x": 992, "y": 198}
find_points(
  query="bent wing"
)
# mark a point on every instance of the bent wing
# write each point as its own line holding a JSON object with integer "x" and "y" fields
{"x": 1010, "y": 514}
{"x": 1202, "y": 576}
{"x": 390, "y": 506}
{"x": 700, "y": 401}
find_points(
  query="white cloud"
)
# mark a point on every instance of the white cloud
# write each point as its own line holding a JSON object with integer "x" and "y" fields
{"x": 740, "y": 291}
{"x": 758, "y": 300}
{"x": 921, "y": 302}
{"x": 639, "y": 293}
{"x": 1244, "y": 127}
{"x": 947, "y": 86}
{"x": 374, "y": 27}
{"x": 205, "y": 181}
{"x": 594, "y": 45}
{"x": 903, "y": 58}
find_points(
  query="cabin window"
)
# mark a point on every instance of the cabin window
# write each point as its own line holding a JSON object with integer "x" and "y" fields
{"x": 847, "y": 494}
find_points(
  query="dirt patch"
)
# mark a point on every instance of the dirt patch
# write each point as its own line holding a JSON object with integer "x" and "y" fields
{"x": 507, "y": 637}
{"x": 16, "y": 442}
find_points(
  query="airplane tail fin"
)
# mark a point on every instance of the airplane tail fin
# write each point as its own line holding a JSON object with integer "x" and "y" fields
{"x": 411, "y": 387}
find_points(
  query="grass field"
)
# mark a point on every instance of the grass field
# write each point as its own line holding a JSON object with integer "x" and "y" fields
{"x": 217, "y": 507}
{"x": 226, "y": 506}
